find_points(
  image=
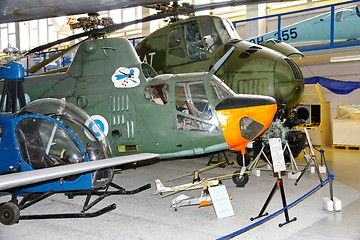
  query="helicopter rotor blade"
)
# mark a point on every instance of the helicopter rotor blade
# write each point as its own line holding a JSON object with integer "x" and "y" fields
{"x": 42, "y": 64}
{"x": 112, "y": 28}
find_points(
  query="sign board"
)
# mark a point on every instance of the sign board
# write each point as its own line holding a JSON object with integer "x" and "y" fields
{"x": 277, "y": 154}
{"x": 221, "y": 201}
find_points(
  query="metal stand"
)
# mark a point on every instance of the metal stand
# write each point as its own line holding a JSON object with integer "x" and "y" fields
{"x": 293, "y": 163}
{"x": 256, "y": 160}
{"x": 278, "y": 184}
{"x": 219, "y": 159}
{"x": 309, "y": 159}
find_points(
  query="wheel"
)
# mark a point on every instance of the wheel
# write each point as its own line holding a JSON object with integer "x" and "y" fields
{"x": 239, "y": 159}
{"x": 9, "y": 213}
{"x": 240, "y": 181}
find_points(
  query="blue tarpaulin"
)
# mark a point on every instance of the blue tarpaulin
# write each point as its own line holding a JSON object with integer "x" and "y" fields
{"x": 336, "y": 86}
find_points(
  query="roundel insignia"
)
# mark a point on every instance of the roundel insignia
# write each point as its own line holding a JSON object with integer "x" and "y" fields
{"x": 102, "y": 125}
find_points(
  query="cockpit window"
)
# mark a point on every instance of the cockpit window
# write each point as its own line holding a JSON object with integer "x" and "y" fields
{"x": 157, "y": 93}
{"x": 211, "y": 37}
{"x": 222, "y": 30}
{"x": 191, "y": 98}
{"x": 231, "y": 30}
{"x": 175, "y": 46}
{"x": 41, "y": 149}
{"x": 194, "y": 44}
{"x": 219, "y": 89}
{"x": 225, "y": 29}
{"x": 339, "y": 16}
{"x": 174, "y": 38}
{"x": 148, "y": 70}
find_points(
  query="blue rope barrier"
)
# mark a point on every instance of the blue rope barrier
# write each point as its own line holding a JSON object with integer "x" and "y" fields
{"x": 330, "y": 177}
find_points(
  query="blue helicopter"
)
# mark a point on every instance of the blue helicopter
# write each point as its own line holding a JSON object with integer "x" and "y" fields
{"x": 47, "y": 148}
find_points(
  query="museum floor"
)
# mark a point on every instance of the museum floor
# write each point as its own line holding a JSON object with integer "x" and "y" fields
{"x": 147, "y": 216}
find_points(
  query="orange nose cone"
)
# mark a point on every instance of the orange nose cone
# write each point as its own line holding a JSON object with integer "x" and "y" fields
{"x": 244, "y": 117}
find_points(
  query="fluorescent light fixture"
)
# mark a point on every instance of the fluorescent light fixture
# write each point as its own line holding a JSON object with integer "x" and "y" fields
{"x": 345, "y": 58}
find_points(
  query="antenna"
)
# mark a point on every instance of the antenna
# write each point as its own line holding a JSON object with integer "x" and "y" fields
{"x": 221, "y": 61}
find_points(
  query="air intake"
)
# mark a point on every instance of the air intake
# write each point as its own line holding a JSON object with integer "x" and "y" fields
{"x": 296, "y": 70}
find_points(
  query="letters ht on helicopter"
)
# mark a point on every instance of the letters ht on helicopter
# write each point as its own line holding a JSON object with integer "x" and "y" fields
{"x": 196, "y": 43}
{"x": 139, "y": 111}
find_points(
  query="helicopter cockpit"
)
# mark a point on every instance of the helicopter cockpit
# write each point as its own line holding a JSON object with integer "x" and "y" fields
{"x": 204, "y": 35}
{"x": 53, "y": 132}
{"x": 192, "y": 102}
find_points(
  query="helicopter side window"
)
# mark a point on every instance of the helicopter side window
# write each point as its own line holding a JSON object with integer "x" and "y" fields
{"x": 191, "y": 99}
{"x": 193, "y": 41}
{"x": 211, "y": 37}
{"x": 189, "y": 124}
{"x": 339, "y": 16}
{"x": 157, "y": 93}
{"x": 174, "y": 38}
{"x": 175, "y": 47}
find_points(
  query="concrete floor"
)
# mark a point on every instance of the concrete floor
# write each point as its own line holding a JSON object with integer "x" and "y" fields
{"x": 147, "y": 216}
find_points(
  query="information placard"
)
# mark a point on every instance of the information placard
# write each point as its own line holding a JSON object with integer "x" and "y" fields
{"x": 277, "y": 154}
{"x": 221, "y": 201}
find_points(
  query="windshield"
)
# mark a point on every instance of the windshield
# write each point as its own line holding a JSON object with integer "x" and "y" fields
{"x": 42, "y": 147}
{"x": 220, "y": 90}
{"x": 210, "y": 35}
{"x": 64, "y": 134}
{"x": 225, "y": 30}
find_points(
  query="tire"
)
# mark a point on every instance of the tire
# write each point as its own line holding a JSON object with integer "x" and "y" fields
{"x": 240, "y": 181}
{"x": 9, "y": 213}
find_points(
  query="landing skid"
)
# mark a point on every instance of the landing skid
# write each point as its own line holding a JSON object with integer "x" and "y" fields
{"x": 10, "y": 211}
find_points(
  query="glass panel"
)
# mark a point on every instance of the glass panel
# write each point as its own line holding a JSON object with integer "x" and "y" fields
{"x": 174, "y": 38}
{"x": 230, "y": 29}
{"x": 4, "y": 38}
{"x": 190, "y": 98}
{"x": 189, "y": 124}
{"x": 199, "y": 99}
{"x": 34, "y": 139}
{"x": 249, "y": 128}
{"x": 179, "y": 52}
{"x": 224, "y": 35}
{"x": 219, "y": 89}
{"x": 157, "y": 93}
{"x": 148, "y": 70}
{"x": 193, "y": 41}
{"x": 211, "y": 37}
